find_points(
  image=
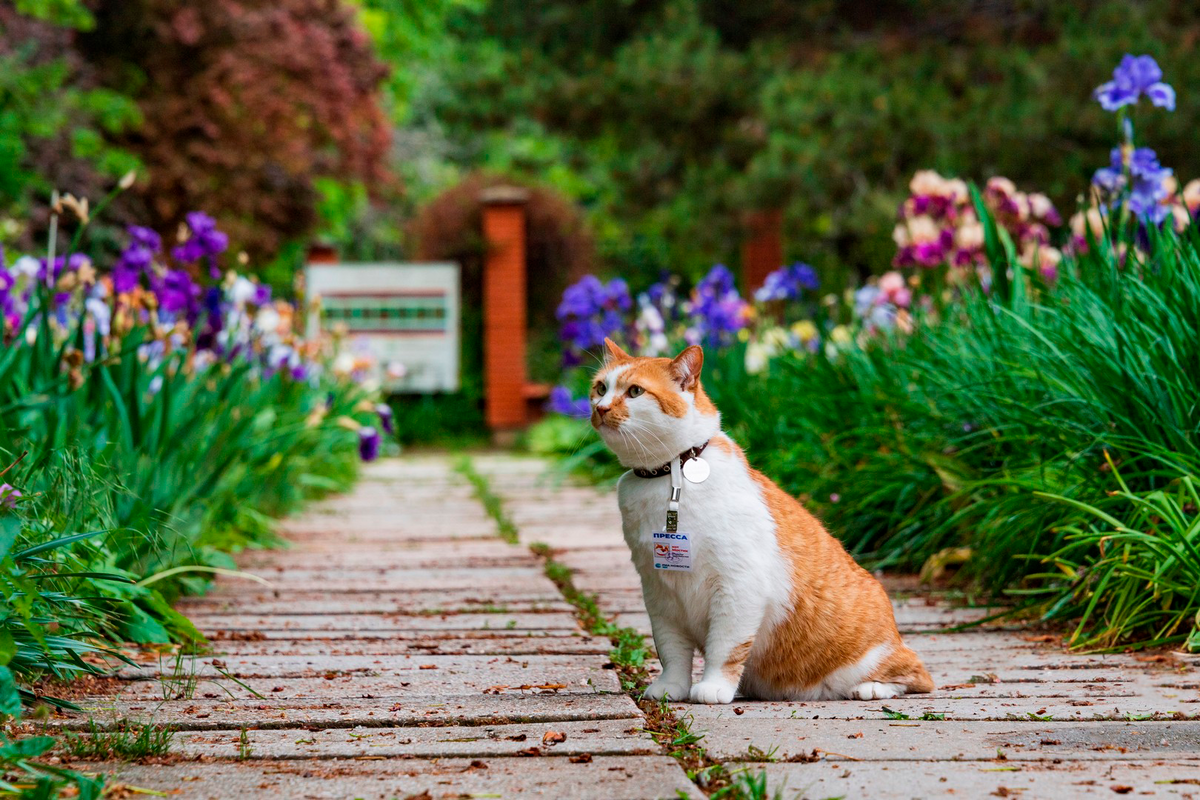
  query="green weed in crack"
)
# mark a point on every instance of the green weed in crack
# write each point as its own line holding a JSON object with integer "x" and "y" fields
{"x": 244, "y": 748}
{"x": 629, "y": 653}
{"x": 490, "y": 500}
{"x": 180, "y": 682}
{"x": 126, "y": 740}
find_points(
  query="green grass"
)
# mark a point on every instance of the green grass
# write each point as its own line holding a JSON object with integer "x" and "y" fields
{"x": 24, "y": 777}
{"x": 1001, "y": 428}
{"x": 126, "y": 741}
{"x": 1133, "y": 569}
{"x": 1050, "y": 433}
{"x": 490, "y": 500}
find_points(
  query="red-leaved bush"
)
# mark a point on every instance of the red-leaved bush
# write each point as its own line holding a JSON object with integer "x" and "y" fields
{"x": 245, "y": 103}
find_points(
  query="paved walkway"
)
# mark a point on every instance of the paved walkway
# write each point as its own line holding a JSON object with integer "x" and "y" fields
{"x": 404, "y": 650}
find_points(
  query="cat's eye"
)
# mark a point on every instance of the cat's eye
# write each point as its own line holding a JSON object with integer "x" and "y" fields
{"x": 599, "y": 388}
{"x": 634, "y": 391}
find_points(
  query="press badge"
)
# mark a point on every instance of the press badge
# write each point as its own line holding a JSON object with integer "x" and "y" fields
{"x": 672, "y": 550}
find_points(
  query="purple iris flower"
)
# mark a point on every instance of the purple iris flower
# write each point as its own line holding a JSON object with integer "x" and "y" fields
{"x": 205, "y": 242}
{"x": 214, "y": 318}
{"x": 1133, "y": 77}
{"x": 1147, "y": 182}
{"x": 262, "y": 294}
{"x": 718, "y": 311}
{"x": 368, "y": 443}
{"x": 46, "y": 274}
{"x": 386, "y": 418}
{"x": 787, "y": 283}
{"x": 144, "y": 237}
{"x": 136, "y": 258}
{"x": 177, "y": 292}
{"x": 561, "y": 402}
{"x": 591, "y": 310}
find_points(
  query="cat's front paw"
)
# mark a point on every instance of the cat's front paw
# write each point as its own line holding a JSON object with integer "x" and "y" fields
{"x": 670, "y": 690}
{"x": 712, "y": 693}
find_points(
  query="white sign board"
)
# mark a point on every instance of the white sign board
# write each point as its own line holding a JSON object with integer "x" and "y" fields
{"x": 402, "y": 316}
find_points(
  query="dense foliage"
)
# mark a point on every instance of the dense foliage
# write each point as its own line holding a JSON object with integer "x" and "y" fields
{"x": 154, "y": 416}
{"x": 244, "y": 106}
{"x": 668, "y": 119}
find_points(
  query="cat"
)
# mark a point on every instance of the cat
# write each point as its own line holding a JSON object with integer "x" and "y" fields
{"x": 775, "y": 604}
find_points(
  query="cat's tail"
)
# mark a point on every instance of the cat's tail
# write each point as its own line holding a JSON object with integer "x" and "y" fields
{"x": 904, "y": 667}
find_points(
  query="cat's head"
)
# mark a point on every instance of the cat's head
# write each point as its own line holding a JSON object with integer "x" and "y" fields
{"x": 649, "y": 410}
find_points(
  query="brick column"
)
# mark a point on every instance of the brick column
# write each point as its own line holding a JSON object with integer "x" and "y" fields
{"x": 504, "y": 307}
{"x": 762, "y": 249}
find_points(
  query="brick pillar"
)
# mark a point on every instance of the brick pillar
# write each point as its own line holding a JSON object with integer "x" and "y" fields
{"x": 762, "y": 249}
{"x": 504, "y": 307}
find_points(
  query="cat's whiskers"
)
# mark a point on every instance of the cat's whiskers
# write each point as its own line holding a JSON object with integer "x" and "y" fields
{"x": 632, "y": 428}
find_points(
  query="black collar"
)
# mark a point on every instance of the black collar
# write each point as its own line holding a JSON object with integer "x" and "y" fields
{"x": 665, "y": 469}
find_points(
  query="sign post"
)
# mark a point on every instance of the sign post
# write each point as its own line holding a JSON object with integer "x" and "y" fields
{"x": 403, "y": 318}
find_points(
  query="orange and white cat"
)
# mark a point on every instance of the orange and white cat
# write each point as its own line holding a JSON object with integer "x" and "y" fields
{"x": 777, "y": 607}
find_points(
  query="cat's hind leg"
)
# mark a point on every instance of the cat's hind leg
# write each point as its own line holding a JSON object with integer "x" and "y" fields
{"x": 875, "y": 690}
{"x": 900, "y": 672}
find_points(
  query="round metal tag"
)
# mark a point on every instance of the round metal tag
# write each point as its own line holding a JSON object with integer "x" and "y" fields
{"x": 696, "y": 470}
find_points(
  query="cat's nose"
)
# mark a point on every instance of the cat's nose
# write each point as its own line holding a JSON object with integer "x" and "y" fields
{"x": 602, "y": 410}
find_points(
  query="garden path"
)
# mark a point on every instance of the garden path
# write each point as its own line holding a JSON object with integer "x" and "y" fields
{"x": 403, "y": 647}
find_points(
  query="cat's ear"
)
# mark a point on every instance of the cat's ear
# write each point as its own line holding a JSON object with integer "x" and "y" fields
{"x": 685, "y": 369}
{"x": 613, "y": 352}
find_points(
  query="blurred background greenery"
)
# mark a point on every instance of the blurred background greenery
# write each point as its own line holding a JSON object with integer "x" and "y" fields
{"x": 665, "y": 121}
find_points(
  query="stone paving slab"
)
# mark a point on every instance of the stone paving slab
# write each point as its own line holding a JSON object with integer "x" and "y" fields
{"x": 905, "y": 780}
{"x": 394, "y": 578}
{"x": 419, "y": 675}
{"x": 305, "y": 529}
{"x": 203, "y": 713}
{"x": 982, "y": 740}
{"x": 602, "y": 778}
{"x": 411, "y": 555}
{"x": 473, "y": 642}
{"x": 498, "y": 623}
{"x": 423, "y": 684}
{"x": 1022, "y": 708}
{"x": 569, "y": 669}
{"x": 576, "y": 644}
{"x": 596, "y": 737}
{"x": 272, "y": 603}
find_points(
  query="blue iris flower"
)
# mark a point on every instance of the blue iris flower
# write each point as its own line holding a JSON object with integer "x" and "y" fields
{"x": 1135, "y": 76}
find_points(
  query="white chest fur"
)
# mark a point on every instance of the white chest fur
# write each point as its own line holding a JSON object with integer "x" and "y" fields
{"x": 736, "y": 563}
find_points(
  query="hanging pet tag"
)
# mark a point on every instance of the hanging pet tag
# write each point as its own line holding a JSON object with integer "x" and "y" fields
{"x": 672, "y": 551}
{"x": 696, "y": 470}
